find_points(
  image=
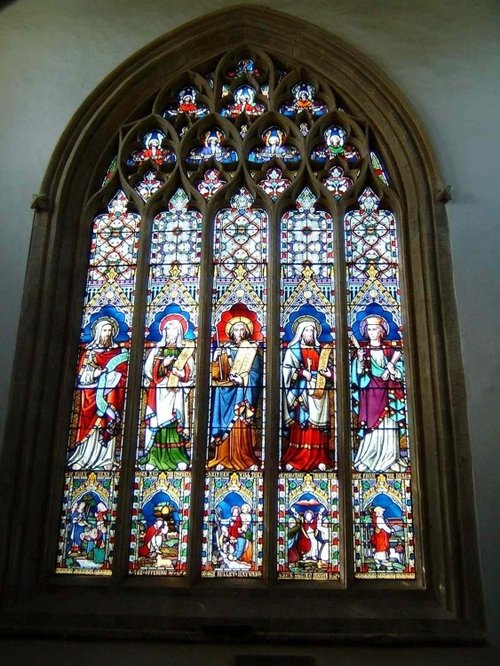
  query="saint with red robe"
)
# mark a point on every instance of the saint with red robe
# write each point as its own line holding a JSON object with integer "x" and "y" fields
{"x": 102, "y": 377}
{"x": 307, "y": 408}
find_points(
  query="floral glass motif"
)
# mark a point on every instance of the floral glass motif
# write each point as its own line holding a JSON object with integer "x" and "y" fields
{"x": 303, "y": 99}
{"x": 370, "y": 232}
{"x": 274, "y": 183}
{"x": 115, "y": 235}
{"x": 243, "y": 102}
{"x": 274, "y": 139}
{"x": 210, "y": 184}
{"x": 336, "y": 182}
{"x": 152, "y": 151}
{"x": 335, "y": 145}
{"x": 223, "y": 159}
{"x": 187, "y": 104}
{"x": 148, "y": 185}
{"x": 212, "y": 147}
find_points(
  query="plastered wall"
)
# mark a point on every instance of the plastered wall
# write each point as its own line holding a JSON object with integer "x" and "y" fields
{"x": 445, "y": 57}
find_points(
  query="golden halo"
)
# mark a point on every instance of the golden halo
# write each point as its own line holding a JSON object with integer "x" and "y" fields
{"x": 173, "y": 316}
{"x": 302, "y": 318}
{"x": 238, "y": 320}
{"x": 111, "y": 320}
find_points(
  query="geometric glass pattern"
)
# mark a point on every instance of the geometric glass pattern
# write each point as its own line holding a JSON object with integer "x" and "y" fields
{"x": 237, "y": 394}
{"x": 163, "y": 479}
{"x": 94, "y": 450}
{"x": 244, "y": 278}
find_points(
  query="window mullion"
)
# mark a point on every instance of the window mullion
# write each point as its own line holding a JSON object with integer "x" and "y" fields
{"x": 202, "y": 401}
{"x": 134, "y": 394}
{"x": 343, "y": 404}
{"x": 273, "y": 395}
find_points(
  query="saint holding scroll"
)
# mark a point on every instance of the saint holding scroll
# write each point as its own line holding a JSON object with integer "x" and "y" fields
{"x": 307, "y": 404}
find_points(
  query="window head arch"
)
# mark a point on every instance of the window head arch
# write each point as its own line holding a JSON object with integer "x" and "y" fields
{"x": 399, "y": 145}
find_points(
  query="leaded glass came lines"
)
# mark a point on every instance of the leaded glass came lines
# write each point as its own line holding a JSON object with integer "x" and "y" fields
{"x": 246, "y": 188}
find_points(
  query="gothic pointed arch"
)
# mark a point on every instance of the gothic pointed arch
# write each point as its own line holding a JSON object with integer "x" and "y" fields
{"x": 366, "y": 150}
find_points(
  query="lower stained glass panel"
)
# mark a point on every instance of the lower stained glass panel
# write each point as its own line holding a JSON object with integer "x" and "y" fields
{"x": 86, "y": 536}
{"x": 308, "y": 527}
{"x": 383, "y": 526}
{"x": 233, "y": 525}
{"x": 160, "y": 524}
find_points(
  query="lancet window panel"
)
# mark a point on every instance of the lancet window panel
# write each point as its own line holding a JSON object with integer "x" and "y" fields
{"x": 254, "y": 210}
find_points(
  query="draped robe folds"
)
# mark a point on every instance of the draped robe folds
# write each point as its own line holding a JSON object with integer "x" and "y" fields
{"x": 153, "y": 534}
{"x": 309, "y": 539}
{"x": 78, "y": 522}
{"x": 101, "y": 408}
{"x": 306, "y": 412}
{"x": 307, "y": 543}
{"x": 379, "y": 405}
{"x": 233, "y": 407}
{"x": 380, "y": 537}
{"x": 167, "y": 409}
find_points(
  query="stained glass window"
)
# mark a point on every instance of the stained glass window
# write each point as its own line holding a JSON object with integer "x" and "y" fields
{"x": 244, "y": 288}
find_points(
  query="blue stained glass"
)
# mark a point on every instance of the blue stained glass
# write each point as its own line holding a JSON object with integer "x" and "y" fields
{"x": 212, "y": 147}
{"x": 244, "y": 102}
{"x": 274, "y": 183}
{"x": 210, "y": 184}
{"x": 186, "y": 103}
{"x": 244, "y": 66}
{"x": 152, "y": 150}
{"x": 274, "y": 146}
{"x": 335, "y": 145}
{"x": 303, "y": 100}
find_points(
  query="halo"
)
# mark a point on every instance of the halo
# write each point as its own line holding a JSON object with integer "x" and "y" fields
{"x": 214, "y": 133}
{"x": 153, "y": 135}
{"x": 273, "y": 131}
{"x": 377, "y": 319}
{"x": 303, "y": 86}
{"x": 173, "y": 317}
{"x": 238, "y": 320}
{"x": 245, "y": 87}
{"x": 335, "y": 130}
{"x": 302, "y": 318}
{"x": 187, "y": 90}
{"x": 115, "y": 327}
